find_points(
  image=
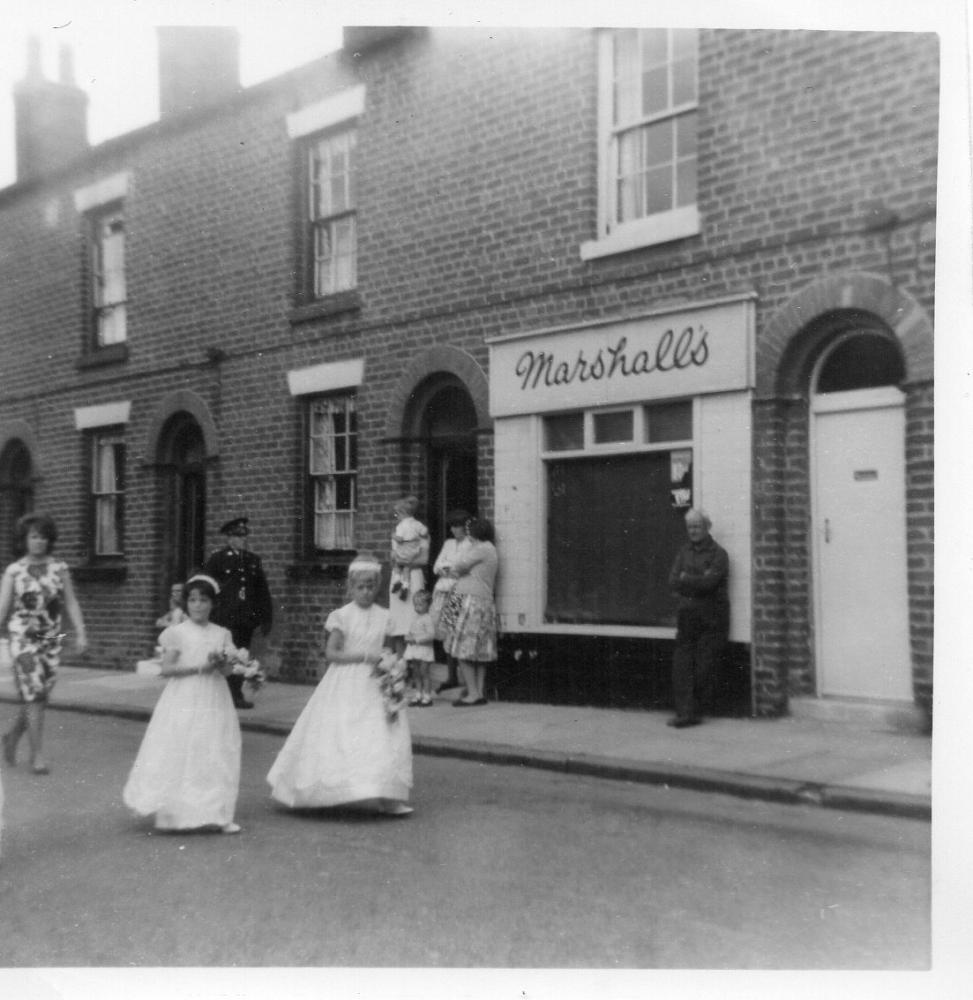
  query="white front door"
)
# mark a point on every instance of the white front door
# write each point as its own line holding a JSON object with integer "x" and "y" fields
{"x": 862, "y": 621}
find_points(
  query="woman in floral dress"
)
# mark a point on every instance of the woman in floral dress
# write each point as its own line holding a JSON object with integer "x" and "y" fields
{"x": 34, "y": 592}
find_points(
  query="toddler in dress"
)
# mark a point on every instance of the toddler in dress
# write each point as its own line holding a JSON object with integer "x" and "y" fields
{"x": 419, "y": 654}
{"x": 187, "y": 771}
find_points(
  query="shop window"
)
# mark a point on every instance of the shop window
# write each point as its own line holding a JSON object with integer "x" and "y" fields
{"x": 647, "y": 153}
{"x": 331, "y": 234}
{"x": 564, "y": 432}
{"x": 617, "y": 493}
{"x": 333, "y": 471}
{"x": 613, "y": 427}
{"x": 106, "y": 456}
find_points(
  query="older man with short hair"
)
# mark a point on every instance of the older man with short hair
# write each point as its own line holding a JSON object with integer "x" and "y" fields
{"x": 699, "y": 579}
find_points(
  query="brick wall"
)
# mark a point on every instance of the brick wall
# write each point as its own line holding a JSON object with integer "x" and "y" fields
{"x": 477, "y": 188}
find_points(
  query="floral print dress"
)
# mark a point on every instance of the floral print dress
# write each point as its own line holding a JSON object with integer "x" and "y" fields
{"x": 35, "y": 625}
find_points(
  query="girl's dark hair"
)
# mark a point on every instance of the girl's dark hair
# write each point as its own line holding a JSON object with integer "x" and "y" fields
{"x": 203, "y": 586}
{"x": 481, "y": 529}
{"x": 457, "y": 517}
{"x": 42, "y": 524}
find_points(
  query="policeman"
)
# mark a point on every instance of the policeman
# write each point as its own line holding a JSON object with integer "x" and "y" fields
{"x": 243, "y": 602}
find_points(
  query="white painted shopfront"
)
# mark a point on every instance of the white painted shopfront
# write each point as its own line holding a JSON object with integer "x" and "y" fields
{"x": 605, "y": 434}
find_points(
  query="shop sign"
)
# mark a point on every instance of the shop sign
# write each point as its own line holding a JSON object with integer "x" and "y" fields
{"x": 654, "y": 356}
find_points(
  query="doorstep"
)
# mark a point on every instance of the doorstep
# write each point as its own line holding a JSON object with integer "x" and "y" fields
{"x": 865, "y": 713}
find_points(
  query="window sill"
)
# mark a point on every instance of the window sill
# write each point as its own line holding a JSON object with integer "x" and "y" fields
{"x": 113, "y": 572}
{"x": 331, "y": 566}
{"x": 100, "y": 356}
{"x": 662, "y": 228}
{"x": 333, "y": 305}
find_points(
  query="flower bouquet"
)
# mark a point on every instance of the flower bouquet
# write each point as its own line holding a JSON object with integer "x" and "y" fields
{"x": 391, "y": 674}
{"x": 241, "y": 664}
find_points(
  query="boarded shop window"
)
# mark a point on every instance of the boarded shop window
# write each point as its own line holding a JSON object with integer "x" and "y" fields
{"x": 332, "y": 234}
{"x": 619, "y": 482}
{"x": 612, "y": 536}
{"x": 333, "y": 469}
{"x": 107, "y": 457}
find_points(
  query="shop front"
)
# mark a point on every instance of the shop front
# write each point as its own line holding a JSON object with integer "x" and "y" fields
{"x": 605, "y": 435}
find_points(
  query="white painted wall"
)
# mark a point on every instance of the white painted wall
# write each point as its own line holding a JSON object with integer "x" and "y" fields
{"x": 723, "y": 481}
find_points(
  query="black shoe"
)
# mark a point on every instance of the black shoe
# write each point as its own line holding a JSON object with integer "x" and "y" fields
{"x": 242, "y": 703}
{"x": 683, "y": 721}
{"x": 396, "y": 587}
{"x": 404, "y": 594}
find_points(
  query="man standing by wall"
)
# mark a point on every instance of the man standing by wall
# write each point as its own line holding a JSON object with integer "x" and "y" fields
{"x": 699, "y": 579}
{"x": 243, "y": 602}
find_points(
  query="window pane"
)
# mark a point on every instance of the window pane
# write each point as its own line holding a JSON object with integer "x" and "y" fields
{"x": 683, "y": 81}
{"x": 564, "y": 432}
{"x": 658, "y": 143}
{"x": 670, "y": 422}
{"x": 612, "y": 427}
{"x": 655, "y": 90}
{"x": 654, "y": 46}
{"x": 685, "y": 43}
{"x": 658, "y": 190}
{"x": 686, "y": 182}
{"x": 625, "y": 76}
{"x": 686, "y": 135}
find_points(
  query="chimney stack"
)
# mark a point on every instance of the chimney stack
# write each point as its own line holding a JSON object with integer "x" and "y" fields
{"x": 50, "y": 118}
{"x": 198, "y": 67}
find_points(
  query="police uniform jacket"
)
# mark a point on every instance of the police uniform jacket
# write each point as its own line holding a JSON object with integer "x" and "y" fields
{"x": 244, "y": 598}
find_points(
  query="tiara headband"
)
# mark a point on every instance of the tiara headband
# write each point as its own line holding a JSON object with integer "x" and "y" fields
{"x": 364, "y": 564}
{"x": 202, "y": 577}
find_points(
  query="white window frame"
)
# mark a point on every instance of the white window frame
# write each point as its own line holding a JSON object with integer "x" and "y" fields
{"x": 332, "y": 212}
{"x": 108, "y": 498}
{"x": 108, "y": 290}
{"x": 660, "y": 227}
{"x": 333, "y": 526}
{"x": 640, "y": 432}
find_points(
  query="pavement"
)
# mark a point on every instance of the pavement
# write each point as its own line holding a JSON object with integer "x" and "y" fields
{"x": 825, "y": 763}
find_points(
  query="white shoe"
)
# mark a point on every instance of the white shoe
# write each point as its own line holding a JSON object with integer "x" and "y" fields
{"x": 398, "y": 809}
{"x": 230, "y": 828}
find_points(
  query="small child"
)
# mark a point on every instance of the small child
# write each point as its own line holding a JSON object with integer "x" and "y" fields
{"x": 419, "y": 653}
{"x": 346, "y": 748}
{"x": 175, "y": 614}
{"x": 409, "y": 556}
{"x": 187, "y": 771}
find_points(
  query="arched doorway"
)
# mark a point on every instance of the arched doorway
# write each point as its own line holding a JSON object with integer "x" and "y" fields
{"x": 447, "y": 427}
{"x": 857, "y": 443}
{"x": 182, "y": 462}
{"x": 16, "y": 493}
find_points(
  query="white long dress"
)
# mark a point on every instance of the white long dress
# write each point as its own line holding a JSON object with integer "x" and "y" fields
{"x": 342, "y": 748}
{"x": 187, "y": 772}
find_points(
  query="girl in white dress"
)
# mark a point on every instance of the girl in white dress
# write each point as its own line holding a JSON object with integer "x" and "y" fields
{"x": 344, "y": 749}
{"x": 187, "y": 772}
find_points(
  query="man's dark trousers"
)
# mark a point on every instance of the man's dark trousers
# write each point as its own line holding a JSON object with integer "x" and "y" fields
{"x": 699, "y": 652}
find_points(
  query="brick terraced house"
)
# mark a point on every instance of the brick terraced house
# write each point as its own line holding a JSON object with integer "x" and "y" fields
{"x": 576, "y": 280}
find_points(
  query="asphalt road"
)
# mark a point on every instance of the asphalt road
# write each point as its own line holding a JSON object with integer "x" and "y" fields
{"x": 499, "y": 867}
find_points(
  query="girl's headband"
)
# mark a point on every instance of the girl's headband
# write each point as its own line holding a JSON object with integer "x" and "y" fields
{"x": 203, "y": 578}
{"x": 364, "y": 564}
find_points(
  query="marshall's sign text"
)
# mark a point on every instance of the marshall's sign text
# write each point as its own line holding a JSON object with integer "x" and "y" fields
{"x": 672, "y": 352}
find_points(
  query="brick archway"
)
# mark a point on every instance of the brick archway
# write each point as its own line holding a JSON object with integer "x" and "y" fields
{"x": 779, "y": 371}
{"x": 20, "y": 430}
{"x": 445, "y": 359}
{"x": 181, "y": 401}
